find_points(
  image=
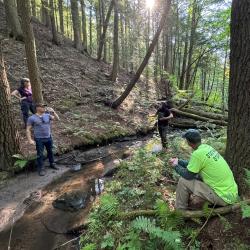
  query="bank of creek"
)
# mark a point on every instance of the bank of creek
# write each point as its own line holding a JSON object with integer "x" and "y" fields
{"x": 29, "y": 219}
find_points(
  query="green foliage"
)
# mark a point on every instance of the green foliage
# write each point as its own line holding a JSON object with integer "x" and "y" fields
{"x": 109, "y": 205}
{"x": 89, "y": 247}
{"x": 169, "y": 238}
{"x": 21, "y": 161}
{"x": 245, "y": 209}
{"x": 247, "y": 179}
{"x": 108, "y": 241}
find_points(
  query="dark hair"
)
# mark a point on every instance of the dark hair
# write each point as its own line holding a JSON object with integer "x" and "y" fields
{"x": 23, "y": 81}
{"x": 194, "y": 140}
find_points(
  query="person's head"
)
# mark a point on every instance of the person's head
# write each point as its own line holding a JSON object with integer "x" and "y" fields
{"x": 40, "y": 108}
{"x": 193, "y": 138}
{"x": 25, "y": 83}
{"x": 166, "y": 105}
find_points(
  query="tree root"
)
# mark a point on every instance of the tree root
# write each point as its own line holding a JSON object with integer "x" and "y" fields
{"x": 185, "y": 213}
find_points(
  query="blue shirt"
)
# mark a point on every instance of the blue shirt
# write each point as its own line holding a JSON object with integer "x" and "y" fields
{"x": 41, "y": 125}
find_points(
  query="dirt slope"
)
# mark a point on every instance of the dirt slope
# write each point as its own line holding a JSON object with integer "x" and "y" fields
{"x": 66, "y": 75}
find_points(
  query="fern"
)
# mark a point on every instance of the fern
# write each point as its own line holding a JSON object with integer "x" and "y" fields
{"x": 168, "y": 219}
{"x": 169, "y": 238}
{"x": 245, "y": 210}
{"x": 108, "y": 241}
{"x": 89, "y": 247}
{"x": 108, "y": 205}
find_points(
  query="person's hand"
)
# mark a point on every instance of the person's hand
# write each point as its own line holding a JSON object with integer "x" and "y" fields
{"x": 31, "y": 142}
{"x": 51, "y": 110}
{"x": 173, "y": 161}
{"x": 22, "y": 98}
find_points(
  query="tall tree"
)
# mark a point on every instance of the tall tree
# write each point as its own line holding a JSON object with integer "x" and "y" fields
{"x": 55, "y": 38}
{"x": 84, "y": 26}
{"x": 76, "y": 24}
{"x": 115, "y": 64}
{"x": 14, "y": 27}
{"x": 45, "y": 13}
{"x": 238, "y": 140}
{"x": 105, "y": 27}
{"x": 30, "y": 49}
{"x": 130, "y": 86}
{"x": 61, "y": 16}
{"x": 9, "y": 137}
{"x": 33, "y": 6}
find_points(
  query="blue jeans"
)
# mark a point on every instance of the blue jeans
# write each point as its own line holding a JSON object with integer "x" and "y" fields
{"x": 26, "y": 107}
{"x": 40, "y": 144}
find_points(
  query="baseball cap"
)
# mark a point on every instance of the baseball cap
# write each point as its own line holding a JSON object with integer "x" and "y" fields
{"x": 192, "y": 135}
{"x": 42, "y": 105}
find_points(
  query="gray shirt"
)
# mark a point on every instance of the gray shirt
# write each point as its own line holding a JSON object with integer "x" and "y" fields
{"x": 41, "y": 125}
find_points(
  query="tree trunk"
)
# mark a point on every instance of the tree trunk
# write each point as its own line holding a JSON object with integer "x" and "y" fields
{"x": 33, "y": 6}
{"x": 9, "y": 137}
{"x": 76, "y": 24}
{"x": 90, "y": 30}
{"x": 115, "y": 67}
{"x": 105, "y": 27}
{"x": 30, "y": 48}
{"x": 84, "y": 26}
{"x": 60, "y": 8}
{"x": 45, "y": 13}
{"x": 130, "y": 86}
{"x": 238, "y": 140}
{"x": 199, "y": 118}
{"x": 14, "y": 27}
{"x": 55, "y": 38}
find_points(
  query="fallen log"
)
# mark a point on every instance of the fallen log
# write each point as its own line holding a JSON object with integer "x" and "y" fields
{"x": 205, "y": 114}
{"x": 199, "y": 118}
{"x": 185, "y": 213}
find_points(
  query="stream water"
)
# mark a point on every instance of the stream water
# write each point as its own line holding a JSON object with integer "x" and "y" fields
{"x": 56, "y": 215}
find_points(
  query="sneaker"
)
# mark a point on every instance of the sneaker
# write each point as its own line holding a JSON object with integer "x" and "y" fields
{"x": 53, "y": 166}
{"x": 41, "y": 172}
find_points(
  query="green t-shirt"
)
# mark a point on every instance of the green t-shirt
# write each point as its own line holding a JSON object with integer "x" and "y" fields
{"x": 214, "y": 171}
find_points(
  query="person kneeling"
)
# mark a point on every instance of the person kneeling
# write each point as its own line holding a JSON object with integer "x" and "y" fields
{"x": 206, "y": 175}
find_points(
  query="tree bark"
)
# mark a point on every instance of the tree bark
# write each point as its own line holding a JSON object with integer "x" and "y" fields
{"x": 61, "y": 17}
{"x": 33, "y": 6}
{"x": 45, "y": 13}
{"x": 30, "y": 49}
{"x": 130, "y": 86}
{"x": 9, "y": 137}
{"x": 84, "y": 26}
{"x": 55, "y": 38}
{"x": 238, "y": 140}
{"x": 14, "y": 26}
{"x": 115, "y": 67}
{"x": 105, "y": 27}
{"x": 76, "y": 24}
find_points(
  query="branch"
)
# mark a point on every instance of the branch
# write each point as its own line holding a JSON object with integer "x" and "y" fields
{"x": 185, "y": 213}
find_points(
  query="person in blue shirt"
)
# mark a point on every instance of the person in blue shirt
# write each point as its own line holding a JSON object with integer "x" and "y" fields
{"x": 41, "y": 124}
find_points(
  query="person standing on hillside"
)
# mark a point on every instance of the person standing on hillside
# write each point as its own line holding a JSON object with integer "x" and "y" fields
{"x": 216, "y": 182}
{"x": 41, "y": 124}
{"x": 164, "y": 115}
{"x": 24, "y": 95}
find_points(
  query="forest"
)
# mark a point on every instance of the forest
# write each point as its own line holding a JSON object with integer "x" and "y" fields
{"x": 124, "y": 124}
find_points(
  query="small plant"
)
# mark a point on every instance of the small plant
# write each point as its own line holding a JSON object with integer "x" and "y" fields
{"x": 21, "y": 161}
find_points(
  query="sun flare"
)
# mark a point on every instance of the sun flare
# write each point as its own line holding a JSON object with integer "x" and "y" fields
{"x": 150, "y": 4}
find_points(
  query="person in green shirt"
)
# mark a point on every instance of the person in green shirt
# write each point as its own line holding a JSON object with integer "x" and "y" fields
{"x": 206, "y": 175}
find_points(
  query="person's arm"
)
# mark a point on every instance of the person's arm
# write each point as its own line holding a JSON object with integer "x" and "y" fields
{"x": 28, "y": 134}
{"x": 54, "y": 114}
{"x": 185, "y": 173}
{"x": 17, "y": 95}
{"x": 167, "y": 118}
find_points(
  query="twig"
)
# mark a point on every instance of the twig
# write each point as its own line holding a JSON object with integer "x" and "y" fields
{"x": 205, "y": 223}
{"x": 67, "y": 242}
{"x": 13, "y": 222}
{"x": 80, "y": 94}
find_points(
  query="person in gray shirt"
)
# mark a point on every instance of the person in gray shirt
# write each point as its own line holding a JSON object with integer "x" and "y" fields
{"x": 41, "y": 124}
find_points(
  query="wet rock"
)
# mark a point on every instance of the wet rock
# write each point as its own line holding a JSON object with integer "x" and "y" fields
{"x": 72, "y": 201}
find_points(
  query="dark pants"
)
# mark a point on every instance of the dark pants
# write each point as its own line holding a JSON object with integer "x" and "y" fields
{"x": 163, "y": 134}
{"x": 26, "y": 107}
{"x": 40, "y": 144}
